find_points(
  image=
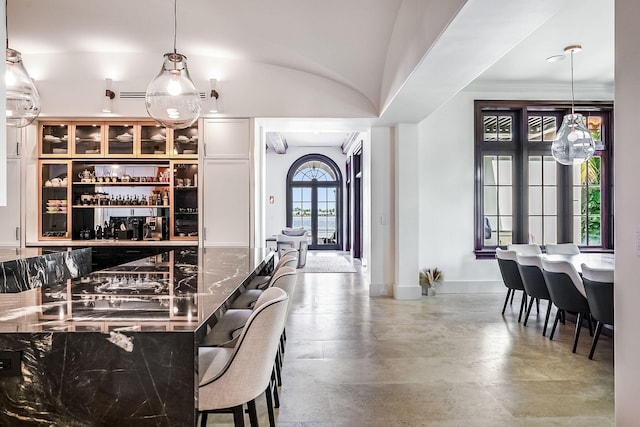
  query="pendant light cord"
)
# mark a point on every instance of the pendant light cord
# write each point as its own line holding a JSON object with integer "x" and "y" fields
{"x": 572, "y": 96}
{"x": 175, "y": 23}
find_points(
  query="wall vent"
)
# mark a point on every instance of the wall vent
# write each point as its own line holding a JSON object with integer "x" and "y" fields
{"x": 141, "y": 95}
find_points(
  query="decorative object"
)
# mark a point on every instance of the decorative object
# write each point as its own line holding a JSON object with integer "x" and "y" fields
{"x": 172, "y": 99}
{"x": 109, "y": 95}
{"x": 213, "y": 96}
{"x": 428, "y": 279}
{"x": 573, "y": 143}
{"x": 23, "y": 99}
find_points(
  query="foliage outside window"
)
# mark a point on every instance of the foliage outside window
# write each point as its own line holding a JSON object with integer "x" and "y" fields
{"x": 523, "y": 195}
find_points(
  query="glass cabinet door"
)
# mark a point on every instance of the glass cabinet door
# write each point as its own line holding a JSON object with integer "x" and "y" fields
{"x": 185, "y": 142}
{"x": 153, "y": 140}
{"x": 54, "y": 140}
{"x": 54, "y": 200}
{"x": 120, "y": 139}
{"x": 88, "y": 140}
{"x": 185, "y": 200}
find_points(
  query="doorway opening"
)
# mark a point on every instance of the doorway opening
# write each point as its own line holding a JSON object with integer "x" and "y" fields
{"x": 314, "y": 200}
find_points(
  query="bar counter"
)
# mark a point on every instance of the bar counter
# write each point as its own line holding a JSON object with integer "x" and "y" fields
{"x": 117, "y": 346}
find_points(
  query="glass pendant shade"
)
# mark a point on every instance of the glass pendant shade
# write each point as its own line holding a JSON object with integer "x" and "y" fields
{"x": 172, "y": 99}
{"x": 23, "y": 100}
{"x": 573, "y": 144}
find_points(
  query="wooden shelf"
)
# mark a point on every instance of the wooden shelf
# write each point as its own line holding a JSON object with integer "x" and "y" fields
{"x": 120, "y": 206}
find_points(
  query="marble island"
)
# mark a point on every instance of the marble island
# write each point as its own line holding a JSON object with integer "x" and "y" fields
{"x": 118, "y": 346}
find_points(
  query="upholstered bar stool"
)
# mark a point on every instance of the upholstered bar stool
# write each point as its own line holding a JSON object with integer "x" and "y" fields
{"x": 598, "y": 285}
{"x": 507, "y": 262}
{"x": 229, "y": 378}
{"x": 530, "y": 267}
{"x": 567, "y": 293}
{"x": 247, "y": 298}
{"x": 262, "y": 282}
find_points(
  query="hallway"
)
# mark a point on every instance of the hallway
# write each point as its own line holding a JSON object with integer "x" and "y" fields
{"x": 448, "y": 360}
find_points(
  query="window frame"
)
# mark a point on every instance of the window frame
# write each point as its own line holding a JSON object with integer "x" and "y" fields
{"x": 520, "y": 148}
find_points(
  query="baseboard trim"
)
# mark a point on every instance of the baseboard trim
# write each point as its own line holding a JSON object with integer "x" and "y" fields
{"x": 470, "y": 287}
{"x": 407, "y": 292}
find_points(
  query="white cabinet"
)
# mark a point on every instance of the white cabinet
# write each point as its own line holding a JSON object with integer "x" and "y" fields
{"x": 227, "y": 138}
{"x": 13, "y": 142}
{"x": 10, "y": 214}
{"x": 227, "y": 202}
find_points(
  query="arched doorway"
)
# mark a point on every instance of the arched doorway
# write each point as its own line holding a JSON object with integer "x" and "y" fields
{"x": 314, "y": 200}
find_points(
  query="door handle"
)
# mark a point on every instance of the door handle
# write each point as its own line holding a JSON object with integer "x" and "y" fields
{"x": 17, "y": 233}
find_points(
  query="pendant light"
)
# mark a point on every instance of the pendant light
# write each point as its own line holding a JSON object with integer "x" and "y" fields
{"x": 172, "y": 99}
{"x": 573, "y": 143}
{"x": 23, "y": 99}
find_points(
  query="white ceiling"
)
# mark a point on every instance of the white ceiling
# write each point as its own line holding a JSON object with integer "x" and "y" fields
{"x": 345, "y": 42}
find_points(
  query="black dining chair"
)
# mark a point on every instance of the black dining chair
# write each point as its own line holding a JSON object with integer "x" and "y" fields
{"x": 530, "y": 267}
{"x": 511, "y": 278}
{"x": 567, "y": 293}
{"x": 598, "y": 284}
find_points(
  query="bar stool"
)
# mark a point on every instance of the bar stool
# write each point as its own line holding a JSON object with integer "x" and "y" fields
{"x": 247, "y": 298}
{"x": 262, "y": 282}
{"x": 229, "y": 378}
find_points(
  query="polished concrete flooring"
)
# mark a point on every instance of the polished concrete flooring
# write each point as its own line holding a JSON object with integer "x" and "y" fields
{"x": 449, "y": 360}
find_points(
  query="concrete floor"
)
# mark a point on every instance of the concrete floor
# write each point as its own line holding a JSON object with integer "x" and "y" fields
{"x": 449, "y": 360}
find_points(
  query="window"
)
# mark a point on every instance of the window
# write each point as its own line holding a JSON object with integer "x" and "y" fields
{"x": 313, "y": 200}
{"x": 523, "y": 195}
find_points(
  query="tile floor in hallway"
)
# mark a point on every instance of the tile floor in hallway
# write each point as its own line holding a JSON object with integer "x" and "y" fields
{"x": 449, "y": 360}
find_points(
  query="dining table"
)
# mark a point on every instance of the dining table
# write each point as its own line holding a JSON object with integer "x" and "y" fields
{"x": 599, "y": 260}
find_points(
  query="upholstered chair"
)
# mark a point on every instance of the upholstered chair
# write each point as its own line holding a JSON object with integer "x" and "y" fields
{"x": 507, "y": 262}
{"x": 598, "y": 285}
{"x": 262, "y": 282}
{"x": 229, "y": 378}
{"x": 562, "y": 249}
{"x": 247, "y": 298}
{"x": 567, "y": 293}
{"x": 530, "y": 267}
{"x": 525, "y": 248}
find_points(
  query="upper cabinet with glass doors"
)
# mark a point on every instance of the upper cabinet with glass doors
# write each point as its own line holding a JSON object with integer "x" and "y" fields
{"x": 185, "y": 142}
{"x": 53, "y": 139}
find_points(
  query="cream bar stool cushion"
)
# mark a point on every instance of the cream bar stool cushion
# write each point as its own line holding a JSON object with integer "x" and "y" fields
{"x": 248, "y": 298}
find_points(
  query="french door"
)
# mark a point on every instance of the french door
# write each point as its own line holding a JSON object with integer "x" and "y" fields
{"x": 314, "y": 188}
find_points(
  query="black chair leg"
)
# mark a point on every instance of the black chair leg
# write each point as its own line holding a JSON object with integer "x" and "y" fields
{"x": 526, "y": 317}
{"x": 596, "y": 335}
{"x": 278, "y": 374}
{"x": 590, "y": 322}
{"x": 523, "y": 304}
{"x": 506, "y": 300}
{"x": 555, "y": 324}
{"x": 538, "y": 305}
{"x": 577, "y": 334}
{"x": 238, "y": 416}
{"x": 546, "y": 319}
{"x": 203, "y": 420}
{"x": 253, "y": 414}
{"x": 272, "y": 418}
{"x": 276, "y": 398}
{"x": 512, "y": 295}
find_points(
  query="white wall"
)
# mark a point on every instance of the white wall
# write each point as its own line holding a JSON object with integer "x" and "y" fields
{"x": 446, "y": 193}
{"x": 277, "y": 167}
{"x": 627, "y": 210}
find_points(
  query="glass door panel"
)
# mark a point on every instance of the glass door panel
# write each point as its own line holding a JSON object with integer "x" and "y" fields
{"x": 153, "y": 140}
{"x": 120, "y": 140}
{"x": 88, "y": 140}
{"x": 54, "y": 140}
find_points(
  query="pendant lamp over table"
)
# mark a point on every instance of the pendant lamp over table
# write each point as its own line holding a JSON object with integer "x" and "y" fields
{"x": 172, "y": 99}
{"x": 573, "y": 143}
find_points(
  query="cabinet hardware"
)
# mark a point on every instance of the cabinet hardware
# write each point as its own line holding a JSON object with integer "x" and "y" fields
{"x": 17, "y": 233}
{"x": 17, "y": 148}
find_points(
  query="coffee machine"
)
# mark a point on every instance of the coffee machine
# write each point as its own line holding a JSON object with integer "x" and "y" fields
{"x": 155, "y": 228}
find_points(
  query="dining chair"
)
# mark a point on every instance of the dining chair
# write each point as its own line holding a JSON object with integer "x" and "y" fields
{"x": 598, "y": 284}
{"x": 525, "y": 248}
{"x": 567, "y": 293}
{"x": 530, "y": 267}
{"x": 507, "y": 262}
{"x": 562, "y": 249}
{"x": 229, "y": 378}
